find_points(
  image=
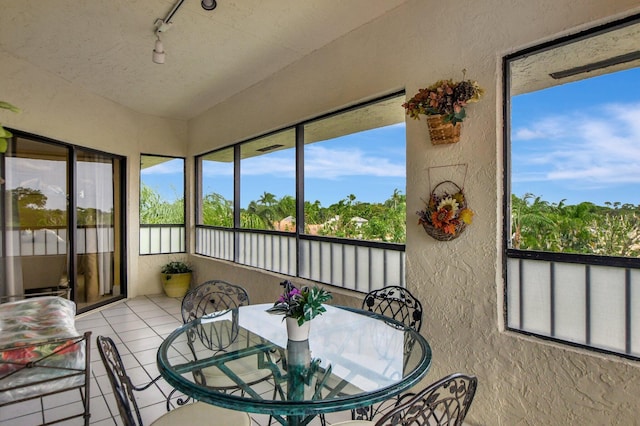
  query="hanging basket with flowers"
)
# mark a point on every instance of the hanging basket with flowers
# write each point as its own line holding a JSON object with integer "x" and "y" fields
{"x": 444, "y": 105}
{"x": 446, "y": 214}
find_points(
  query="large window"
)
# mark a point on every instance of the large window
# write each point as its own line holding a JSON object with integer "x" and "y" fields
{"x": 161, "y": 205}
{"x": 572, "y": 219}
{"x": 355, "y": 174}
{"x": 323, "y": 200}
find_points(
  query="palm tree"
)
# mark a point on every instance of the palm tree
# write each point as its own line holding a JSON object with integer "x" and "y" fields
{"x": 528, "y": 222}
{"x": 267, "y": 199}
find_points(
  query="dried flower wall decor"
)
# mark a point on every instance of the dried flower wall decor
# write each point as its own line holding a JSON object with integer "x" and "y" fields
{"x": 446, "y": 214}
{"x": 444, "y": 105}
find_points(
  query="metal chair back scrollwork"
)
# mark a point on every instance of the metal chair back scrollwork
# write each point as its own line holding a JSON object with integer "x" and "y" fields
{"x": 212, "y": 296}
{"x": 217, "y": 298}
{"x": 443, "y": 403}
{"x": 395, "y": 302}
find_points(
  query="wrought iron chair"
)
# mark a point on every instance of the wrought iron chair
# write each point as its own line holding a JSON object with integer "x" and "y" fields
{"x": 395, "y": 302}
{"x": 218, "y": 297}
{"x": 123, "y": 391}
{"x": 443, "y": 403}
{"x": 210, "y": 297}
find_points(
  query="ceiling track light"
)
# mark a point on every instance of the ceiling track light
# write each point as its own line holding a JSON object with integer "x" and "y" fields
{"x": 158, "y": 51}
{"x": 209, "y": 4}
{"x": 162, "y": 25}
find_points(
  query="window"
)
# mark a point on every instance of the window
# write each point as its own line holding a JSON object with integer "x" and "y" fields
{"x": 323, "y": 200}
{"x": 161, "y": 205}
{"x": 268, "y": 182}
{"x": 572, "y": 219}
{"x": 355, "y": 174}
{"x": 216, "y": 189}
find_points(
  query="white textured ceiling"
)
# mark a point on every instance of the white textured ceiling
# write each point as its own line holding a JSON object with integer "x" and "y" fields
{"x": 105, "y": 46}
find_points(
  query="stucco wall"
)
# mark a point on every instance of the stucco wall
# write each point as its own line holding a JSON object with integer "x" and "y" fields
{"x": 54, "y": 108}
{"x": 522, "y": 381}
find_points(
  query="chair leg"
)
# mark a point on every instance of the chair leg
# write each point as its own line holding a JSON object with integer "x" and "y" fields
{"x": 323, "y": 421}
{"x": 179, "y": 401}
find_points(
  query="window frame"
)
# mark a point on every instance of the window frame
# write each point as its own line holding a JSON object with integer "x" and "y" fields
{"x": 299, "y": 235}
{"x": 163, "y": 230}
{"x": 629, "y": 264}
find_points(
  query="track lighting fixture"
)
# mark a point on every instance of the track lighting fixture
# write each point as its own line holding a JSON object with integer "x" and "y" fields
{"x": 209, "y": 4}
{"x": 158, "y": 51}
{"x": 162, "y": 25}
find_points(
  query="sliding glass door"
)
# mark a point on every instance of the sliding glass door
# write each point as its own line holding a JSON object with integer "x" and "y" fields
{"x": 62, "y": 220}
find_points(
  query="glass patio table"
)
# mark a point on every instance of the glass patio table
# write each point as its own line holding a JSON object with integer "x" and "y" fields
{"x": 353, "y": 358}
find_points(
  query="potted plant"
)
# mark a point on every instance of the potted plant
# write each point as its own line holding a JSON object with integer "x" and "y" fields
{"x": 299, "y": 307}
{"x": 176, "y": 278}
{"x": 5, "y": 135}
{"x": 444, "y": 105}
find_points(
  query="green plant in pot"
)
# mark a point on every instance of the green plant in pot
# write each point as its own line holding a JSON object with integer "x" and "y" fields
{"x": 176, "y": 278}
{"x": 5, "y": 135}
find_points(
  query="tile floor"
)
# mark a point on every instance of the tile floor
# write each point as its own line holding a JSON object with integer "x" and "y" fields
{"x": 138, "y": 327}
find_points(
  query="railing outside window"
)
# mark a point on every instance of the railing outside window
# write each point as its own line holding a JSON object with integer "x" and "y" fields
{"x": 158, "y": 239}
{"x": 575, "y": 300}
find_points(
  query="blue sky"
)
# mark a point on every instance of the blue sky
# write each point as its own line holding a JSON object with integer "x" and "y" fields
{"x": 579, "y": 141}
{"x": 166, "y": 178}
{"x": 370, "y": 165}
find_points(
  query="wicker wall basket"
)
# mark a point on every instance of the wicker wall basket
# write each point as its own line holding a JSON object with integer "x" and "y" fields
{"x": 440, "y": 235}
{"x": 441, "y": 132}
{"x": 440, "y": 191}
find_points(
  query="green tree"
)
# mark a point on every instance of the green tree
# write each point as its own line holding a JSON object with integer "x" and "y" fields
{"x": 585, "y": 228}
{"x": 529, "y": 221}
{"x": 217, "y": 210}
{"x": 155, "y": 210}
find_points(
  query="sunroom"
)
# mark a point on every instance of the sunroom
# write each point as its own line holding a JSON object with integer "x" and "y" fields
{"x": 549, "y": 330}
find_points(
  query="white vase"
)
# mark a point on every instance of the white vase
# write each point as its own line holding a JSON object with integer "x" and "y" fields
{"x": 295, "y": 332}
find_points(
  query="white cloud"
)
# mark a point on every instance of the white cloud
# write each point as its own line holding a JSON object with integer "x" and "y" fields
{"x": 331, "y": 164}
{"x": 591, "y": 150}
{"x": 325, "y": 163}
{"x": 548, "y": 128}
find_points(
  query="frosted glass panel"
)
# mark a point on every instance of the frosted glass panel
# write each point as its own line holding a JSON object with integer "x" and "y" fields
{"x": 608, "y": 307}
{"x": 351, "y": 266}
{"x": 570, "y": 302}
{"x": 513, "y": 293}
{"x": 536, "y": 292}
{"x": 635, "y": 312}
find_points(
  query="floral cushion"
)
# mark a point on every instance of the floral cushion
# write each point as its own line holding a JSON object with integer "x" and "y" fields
{"x": 39, "y": 333}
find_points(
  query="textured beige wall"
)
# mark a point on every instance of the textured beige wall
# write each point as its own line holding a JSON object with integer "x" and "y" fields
{"x": 53, "y": 108}
{"x": 522, "y": 381}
